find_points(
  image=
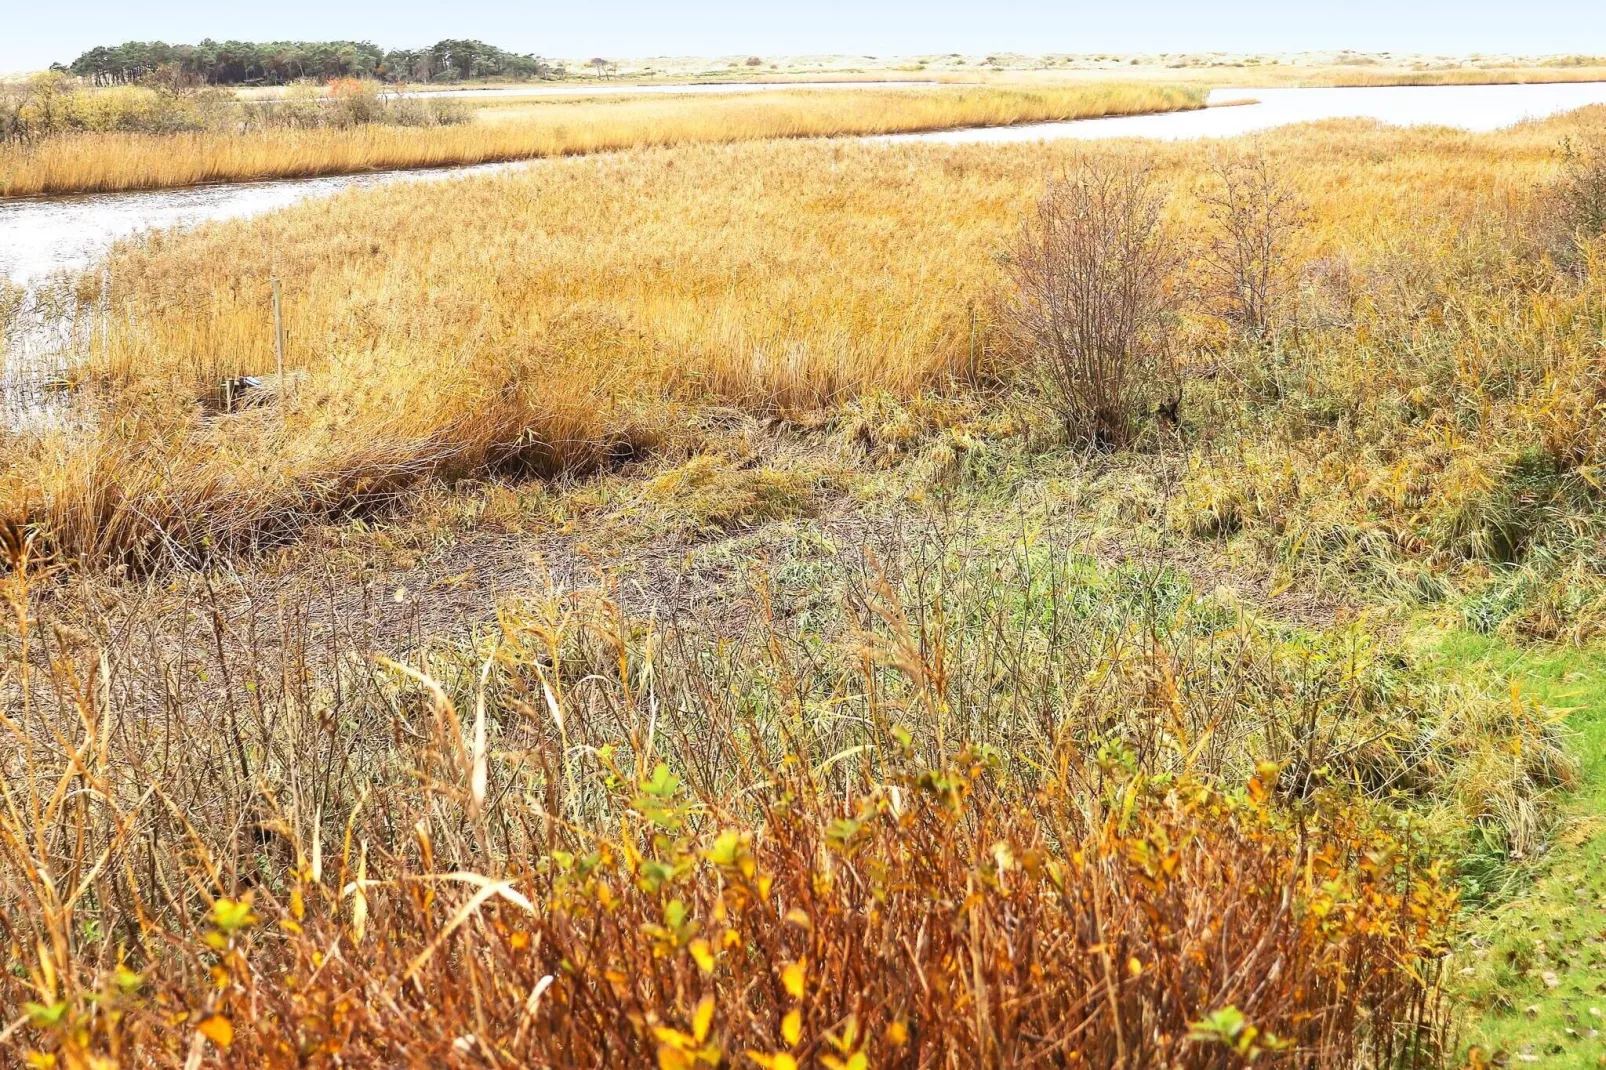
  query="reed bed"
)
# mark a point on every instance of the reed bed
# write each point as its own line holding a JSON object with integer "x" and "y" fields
{"x": 540, "y": 319}
{"x": 998, "y": 802}
{"x": 1460, "y": 76}
{"x": 114, "y": 162}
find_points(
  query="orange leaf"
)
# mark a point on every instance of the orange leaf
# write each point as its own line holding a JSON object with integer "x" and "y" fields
{"x": 218, "y": 1029}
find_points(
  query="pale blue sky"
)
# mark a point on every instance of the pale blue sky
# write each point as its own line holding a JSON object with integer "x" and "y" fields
{"x": 34, "y": 34}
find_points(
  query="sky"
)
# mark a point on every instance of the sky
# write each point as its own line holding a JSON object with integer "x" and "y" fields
{"x": 32, "y": 35}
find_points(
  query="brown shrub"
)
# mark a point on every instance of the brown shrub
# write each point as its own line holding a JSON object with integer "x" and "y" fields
{"x": 1091, "y": 269}
{"x": 1580, "y": 193}
{"x": 1248, "y": 263}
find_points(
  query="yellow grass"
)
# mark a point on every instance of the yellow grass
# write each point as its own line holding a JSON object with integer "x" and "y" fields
{"x": 1344, "y": 76}
{"x": 543, "y": 318}
{"x": 110, "y": 162}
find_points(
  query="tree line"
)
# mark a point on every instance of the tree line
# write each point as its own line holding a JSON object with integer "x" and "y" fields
{"x": 281, "y": 62}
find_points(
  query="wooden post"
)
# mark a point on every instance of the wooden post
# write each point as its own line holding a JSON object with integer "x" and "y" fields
{"x": 278, "y": 340}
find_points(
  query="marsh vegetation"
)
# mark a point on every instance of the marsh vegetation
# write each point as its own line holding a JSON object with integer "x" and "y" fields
{"x": 65, "y": 139}
{"x": 802, "y": 603}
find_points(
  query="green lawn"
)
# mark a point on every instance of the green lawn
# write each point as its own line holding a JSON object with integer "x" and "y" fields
{"x": 1535, "y": 973}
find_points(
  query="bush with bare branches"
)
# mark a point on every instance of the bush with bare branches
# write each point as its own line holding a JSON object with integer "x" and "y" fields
{"x": 1248, "y": 263}
{"x": 1093, "y": 269}
{"x": 1580, "y": 194}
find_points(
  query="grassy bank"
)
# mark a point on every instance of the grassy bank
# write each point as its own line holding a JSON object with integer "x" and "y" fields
{"x": 982, "y": 794}
{"x": 104, "y": 162}
{"x": 1535, "y": 965}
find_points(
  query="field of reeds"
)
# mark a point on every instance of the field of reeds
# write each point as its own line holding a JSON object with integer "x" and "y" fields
{"x": 92, "y": 161}
{"x": 689, "y": 607}
{"x": 538, "y": 322}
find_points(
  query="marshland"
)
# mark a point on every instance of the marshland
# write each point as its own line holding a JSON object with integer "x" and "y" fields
{"x": 734, "y": 588}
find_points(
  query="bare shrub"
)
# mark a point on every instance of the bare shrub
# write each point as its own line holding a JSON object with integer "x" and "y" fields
{"x": 1092, "y": 270}
{"x": 1248, "y": 263}
{"x": 1579, "y": 195}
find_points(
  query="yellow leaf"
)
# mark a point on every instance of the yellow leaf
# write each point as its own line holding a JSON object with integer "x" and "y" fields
{"x": 703, "y": 1018}
{"x": 704, "y": 956}
{"x": 858, "y": 1061}
{"x": 779, "y": 1061}
{"x": 793, "y": 977}
{"x": 792, "y": 1027}
{"x": 673, "y": 1038}
{"x": 673, "y": 1059}
{"x": 898, "y": 1032}
{"x": 1134, "y": 967}
{"x": 218, "y": 1029}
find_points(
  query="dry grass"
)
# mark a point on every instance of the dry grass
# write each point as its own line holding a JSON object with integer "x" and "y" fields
{"x": 109, "y": 162}
{"x": 542, "y": 322}
{"x": 1007, "y": 802}
{"x": 592, "y": 841}
{"x": 537, "y": 319}
{"x": 1459, "y": 76}
{"x": 1290, "y": 72}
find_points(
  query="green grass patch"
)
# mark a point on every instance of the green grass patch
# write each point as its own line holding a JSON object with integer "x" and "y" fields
{"x": 1533, "y": 974}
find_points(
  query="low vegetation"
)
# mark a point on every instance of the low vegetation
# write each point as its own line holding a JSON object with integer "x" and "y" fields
{"x": 50, "y": 107}
{"x": 577, "y": 841}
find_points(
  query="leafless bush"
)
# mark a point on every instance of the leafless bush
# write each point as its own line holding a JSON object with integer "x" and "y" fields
{"x": 1092, "y": 270}
{"x": 1248, "y": 262}
{"x": 1580, "y": 193}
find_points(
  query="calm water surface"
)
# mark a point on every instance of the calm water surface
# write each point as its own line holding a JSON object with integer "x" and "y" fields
{"x": 1470, "y": 107}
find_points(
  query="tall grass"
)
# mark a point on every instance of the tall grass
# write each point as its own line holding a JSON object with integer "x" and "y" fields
{"x": 1424, "y": 416}
{"x": 94, "y": 162}
{"x": 1539, "y": 75}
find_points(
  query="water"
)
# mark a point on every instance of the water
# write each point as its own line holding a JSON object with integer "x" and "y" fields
{"x": 41, "y": 237}
{"x": 1469, "y": 107}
